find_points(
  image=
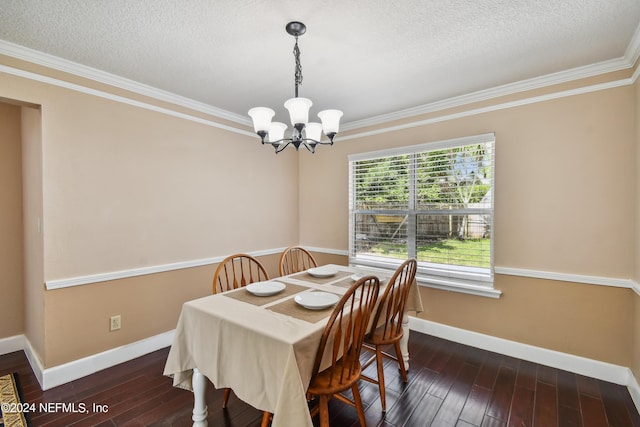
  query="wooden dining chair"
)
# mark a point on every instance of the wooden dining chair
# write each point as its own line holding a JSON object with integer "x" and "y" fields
{"x": 236, "y": 271}
{"x": 295, "y": 259}
{"x": 340, "y": 348}
{"x": 388, "y": 316}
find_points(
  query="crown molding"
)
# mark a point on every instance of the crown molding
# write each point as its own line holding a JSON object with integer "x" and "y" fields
{"x": 129, "y": 101}
{"x": 633, "y": 50}
{"x": 627, "y": 61}
{"x": 56, "y": 63}
{"x": 496, "y": 92}
{"x": 490, "y": 108}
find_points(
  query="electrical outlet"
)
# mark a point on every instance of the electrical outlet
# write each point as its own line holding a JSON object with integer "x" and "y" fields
{"x": 114, "y": 324}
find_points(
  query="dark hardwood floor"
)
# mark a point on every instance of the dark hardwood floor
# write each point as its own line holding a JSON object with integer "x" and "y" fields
{"x": 449, "y": 385}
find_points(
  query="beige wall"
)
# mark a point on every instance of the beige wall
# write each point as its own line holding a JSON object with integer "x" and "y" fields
{"x": 33, "y": 228}
{"x": 635, "y": 366}
{"x": 11, "y": 258}
{"x": 564, "y": 202}
{"x": 126, "y": 187}
{"x": 152, "y": 189}
{"x": 586, "y": 320}
{"x": 152, "y": 306}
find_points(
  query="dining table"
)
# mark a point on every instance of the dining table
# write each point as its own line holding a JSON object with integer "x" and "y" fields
{"x": 262, "y": 345}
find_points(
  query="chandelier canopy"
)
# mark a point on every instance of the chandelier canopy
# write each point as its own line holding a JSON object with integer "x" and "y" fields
{"x": 304, "y": 132}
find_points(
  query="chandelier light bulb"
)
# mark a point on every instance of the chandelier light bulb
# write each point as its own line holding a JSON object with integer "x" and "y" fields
{"x": 330, "y": 121}
{"x": 313, "y": 131}
{"x": 261, "y": 118}
{"x": 298, "y": 110}
{"x": 276, "y": 132}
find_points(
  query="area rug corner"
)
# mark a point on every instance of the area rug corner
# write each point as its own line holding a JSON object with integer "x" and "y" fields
{"x": 11, "y": 405}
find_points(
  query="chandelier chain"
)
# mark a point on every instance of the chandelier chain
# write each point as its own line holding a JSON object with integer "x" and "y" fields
{"x": 298, "y": 73}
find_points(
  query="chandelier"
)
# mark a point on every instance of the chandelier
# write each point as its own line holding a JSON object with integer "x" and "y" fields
{"x": 304, "y": 132}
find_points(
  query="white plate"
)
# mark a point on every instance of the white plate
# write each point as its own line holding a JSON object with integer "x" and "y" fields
{"x": 322, "y": 271}
{"x": 317, "y": 300}
{"x": 265, "y": 289}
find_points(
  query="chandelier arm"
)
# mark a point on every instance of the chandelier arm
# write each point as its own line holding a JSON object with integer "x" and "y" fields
{"x": 310, "y": 147}
{"x": 280, "y": 147}
{"x": 314, "y": 142}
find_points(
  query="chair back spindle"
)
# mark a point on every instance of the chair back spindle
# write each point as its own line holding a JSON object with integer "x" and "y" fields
{"x": 295, "y": 259}
{"x": 393, "y": 301}
{"x": 237, "y": 271}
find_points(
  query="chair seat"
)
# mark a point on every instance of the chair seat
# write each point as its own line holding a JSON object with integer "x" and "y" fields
{"x": 377, "y": 337}
{"x": 326, "y": 381}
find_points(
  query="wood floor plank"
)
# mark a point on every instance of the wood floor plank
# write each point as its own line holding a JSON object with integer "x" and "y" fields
{"x": 488, "y": 372}
{"x": 545, "y": 411}
{"x": 404, "y": 407}
{"x": 454, "y": 401}
{"x": 521, "y": 413}
{"x": 502, "y": 395}
{"x": 567, "y": 390}
{"x": 476, "y": 405}
{"x": 547, "y": 375}
{"x": 569, "y": 417}
{"x": 492, "y": 422}
{"x": 446, "y": 376}
{"x": 587, "y": 385}
{"x": 425, "y": 412}
{"x": 614, "y": 404}
{"x": 593, "y": 414}
{"x": 527, "y": 372}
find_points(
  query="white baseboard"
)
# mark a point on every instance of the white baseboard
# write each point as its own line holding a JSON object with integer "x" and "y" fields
{"x": 568, "y": 362}
{"x": 62, "y": 374}
{"x": 11, "y": 344}
{"x": 34, "y": 361}
{"x": 634, "y": 389}
{"x": 580, "y": 365}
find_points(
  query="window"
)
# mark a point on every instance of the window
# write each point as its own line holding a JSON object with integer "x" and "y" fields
{"x": 432, "y": 202}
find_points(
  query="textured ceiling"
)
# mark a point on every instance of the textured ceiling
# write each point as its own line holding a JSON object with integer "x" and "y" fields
{"x": 365, "y": 57}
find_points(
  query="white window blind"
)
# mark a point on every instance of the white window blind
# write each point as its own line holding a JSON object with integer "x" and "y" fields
{"x": 432, "y": 202}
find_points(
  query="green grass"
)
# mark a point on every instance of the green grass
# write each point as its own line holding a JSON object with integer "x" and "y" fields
{"x": 470, "y": 252}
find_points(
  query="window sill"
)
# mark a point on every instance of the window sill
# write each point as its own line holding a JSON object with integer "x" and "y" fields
{"x": 433, "y": 281}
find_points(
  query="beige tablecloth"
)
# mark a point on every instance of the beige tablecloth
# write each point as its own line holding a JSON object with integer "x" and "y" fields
{"x": 264, "y": 352}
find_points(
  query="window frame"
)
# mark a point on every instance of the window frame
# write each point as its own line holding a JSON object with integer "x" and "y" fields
{"x": 473, "y": 280}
